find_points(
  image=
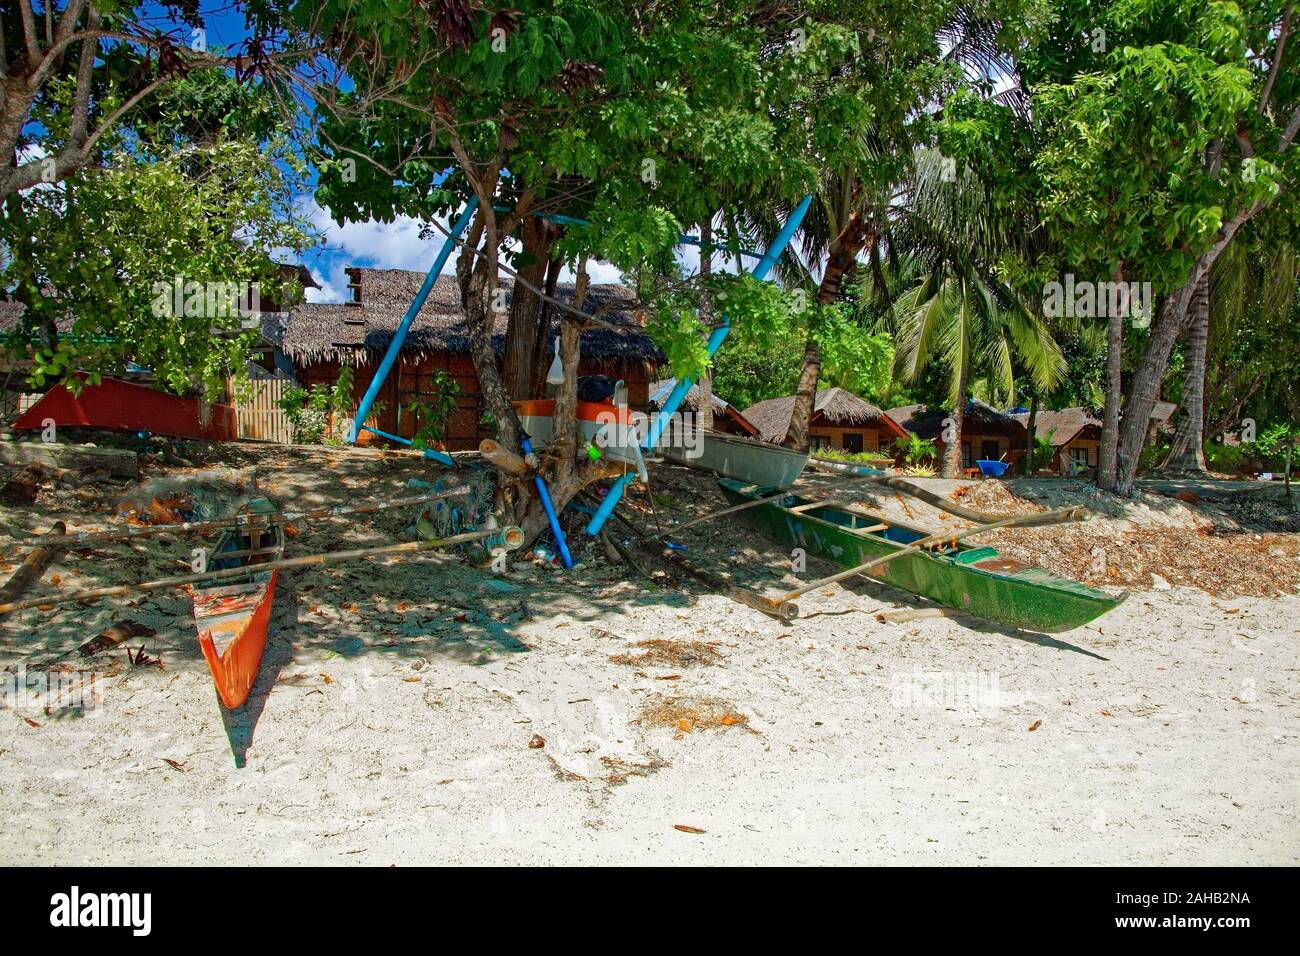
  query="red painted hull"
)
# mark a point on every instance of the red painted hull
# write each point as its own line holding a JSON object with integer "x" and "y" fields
{"x": 123, "y": 406}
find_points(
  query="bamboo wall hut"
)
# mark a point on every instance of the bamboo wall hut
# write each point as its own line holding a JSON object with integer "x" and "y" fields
{"x": 321, "y": 338}
{"x": 986, "y": 432}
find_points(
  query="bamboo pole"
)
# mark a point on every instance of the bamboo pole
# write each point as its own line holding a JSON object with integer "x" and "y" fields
{"x": 889, "y": 481}
{"x": 500, "y": 457}
{"x": 254, "y": 521}
{"x": 782, "y": 605}
{"x": 786, "y": 610}
{"x": 510, "y": 537}
{"x": 33, "y": 565}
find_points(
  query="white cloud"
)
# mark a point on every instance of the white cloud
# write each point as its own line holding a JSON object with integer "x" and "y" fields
{"x": 389, "y": 245}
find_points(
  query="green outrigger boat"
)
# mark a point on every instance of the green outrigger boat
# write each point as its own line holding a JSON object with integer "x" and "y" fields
{"x": 975, "y": 580}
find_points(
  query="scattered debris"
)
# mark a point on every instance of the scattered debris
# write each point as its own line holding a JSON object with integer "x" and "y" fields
{"x": 915, "y": 614}
{"x": 141, "y": 659}
{"x": 688, "y": 713}
{"x": 115, "y": 635}
{"x": 660, "y": 652}
{"x": 23, "y": 486}
{"x": 537, "y": 742}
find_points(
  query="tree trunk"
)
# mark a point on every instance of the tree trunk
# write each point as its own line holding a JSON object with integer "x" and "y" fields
{"x": 951, "y": 467}
{"x": 1146, "y": 382}
{"x": 705, "y": 414}
{"x": 1030, "y": 443}
{"x": 537, "y": 236}
{"x": 544, "y": 330}
{"x": 477, "y": 276}
{"x": 1187, "y": 451}
{"x": 1108, "y": 454}
{"x": 844, "y": 255}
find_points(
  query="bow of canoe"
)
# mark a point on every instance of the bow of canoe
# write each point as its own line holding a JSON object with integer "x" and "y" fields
{"x": 232, "y": 620}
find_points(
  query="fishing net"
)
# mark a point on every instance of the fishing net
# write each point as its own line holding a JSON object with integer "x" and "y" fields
{"x": 456, "y": 516}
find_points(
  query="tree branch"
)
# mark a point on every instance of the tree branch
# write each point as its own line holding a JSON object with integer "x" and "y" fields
{"x": 1267, "y": 91}
{"x": 33, "y": 43}
{"x": 85, "y": 74}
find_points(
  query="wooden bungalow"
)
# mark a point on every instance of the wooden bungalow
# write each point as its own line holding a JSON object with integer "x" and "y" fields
{"x": 320, "y": 338}
{"x": 840, "y": 420}
{"x": 1075, "y": 436}
{"x": 986, "y": 432}
{"x": 726, "y": 417}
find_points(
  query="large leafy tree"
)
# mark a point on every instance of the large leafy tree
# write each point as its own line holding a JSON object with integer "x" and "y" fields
{"x": 638, "y": 122}
{"x": 1160, "y": 128}
{"x": 194, "y": 196}
{"x": 72, "y": 71}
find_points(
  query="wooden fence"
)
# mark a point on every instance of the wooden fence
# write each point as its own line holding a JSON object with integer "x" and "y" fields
{"x": 260, "y": 418}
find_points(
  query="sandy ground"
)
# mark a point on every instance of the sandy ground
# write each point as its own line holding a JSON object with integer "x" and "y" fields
{"x": 397, "y": 702}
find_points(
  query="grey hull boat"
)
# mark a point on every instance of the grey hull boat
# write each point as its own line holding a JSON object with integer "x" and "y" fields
{"x": 731, "y": 456}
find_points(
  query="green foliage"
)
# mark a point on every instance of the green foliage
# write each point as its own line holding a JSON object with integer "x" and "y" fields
{"x": 915, "y": 449}
{"x": 319, "y": 415}
{"x": 1225, "y": 459}
{"x": 101, "y": 247}
{"x": 855, "y": 457}
{"x": 853, "y": 358}
{"x": 1044, "y": 451}
{"x": 431, "y": 412}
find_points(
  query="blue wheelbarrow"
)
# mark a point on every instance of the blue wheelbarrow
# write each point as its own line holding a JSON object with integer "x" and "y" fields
{"x": 993, "y": 469}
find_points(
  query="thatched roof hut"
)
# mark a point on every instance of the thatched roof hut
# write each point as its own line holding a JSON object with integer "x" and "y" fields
{"x": 832, "y": 407}
{"x": 1064, "y": 426}
{"x": 980, "y": 418}
{"x": 725, "y": 415}
{"x": 363, "y": 328}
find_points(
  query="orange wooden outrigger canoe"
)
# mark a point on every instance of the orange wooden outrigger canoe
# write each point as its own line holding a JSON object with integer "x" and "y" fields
{"x": 232, "y": 620}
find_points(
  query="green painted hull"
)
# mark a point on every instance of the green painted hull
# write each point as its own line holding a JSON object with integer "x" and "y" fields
{"x": 972, "y": 579}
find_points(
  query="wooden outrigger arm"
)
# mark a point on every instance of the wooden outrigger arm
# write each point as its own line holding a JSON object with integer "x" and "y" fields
{"x": 783, "y": 606}
{"x": 889, "y": 481}
{"x": 509, "y": 537}
{"x": 247, "y": 521}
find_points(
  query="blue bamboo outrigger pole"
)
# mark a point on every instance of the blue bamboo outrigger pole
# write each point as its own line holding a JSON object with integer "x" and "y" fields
{"x": 674, "y": 400}
{"x": 399, "y": 337}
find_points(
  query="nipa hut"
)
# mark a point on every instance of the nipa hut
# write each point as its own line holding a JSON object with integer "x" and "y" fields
{"x": 321, "y": 338}
{"x": 987, "y": 434}
{"x": 840, "y": 420}
{"x": 726, "y": 417}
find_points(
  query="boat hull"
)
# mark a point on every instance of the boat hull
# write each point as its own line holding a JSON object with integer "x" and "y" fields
{"x": 611, "y": 428}
{"x": 232, "y": 620}
{"x": 974, "y": 580}
{"x": 126, "y": 406}
{"x": 755, "y": 462}
{"x": 232, "y": 623}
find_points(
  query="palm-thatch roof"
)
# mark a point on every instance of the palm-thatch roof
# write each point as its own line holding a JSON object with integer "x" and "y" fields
{"x": 660, "y": 390}
{"x": 351, "y": 331}
{"x": 831, "y": 406}
{"x": 1064, "y": 426}
{"x": 980, "y": 417}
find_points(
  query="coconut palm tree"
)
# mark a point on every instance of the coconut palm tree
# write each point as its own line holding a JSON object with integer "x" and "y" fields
{"x": 953, "y": 309}
{"x": 1230, "y": 342}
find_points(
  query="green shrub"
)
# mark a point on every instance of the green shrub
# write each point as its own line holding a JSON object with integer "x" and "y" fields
{"x": 318, "y": 415}
{"x": 1228, "y": 459}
